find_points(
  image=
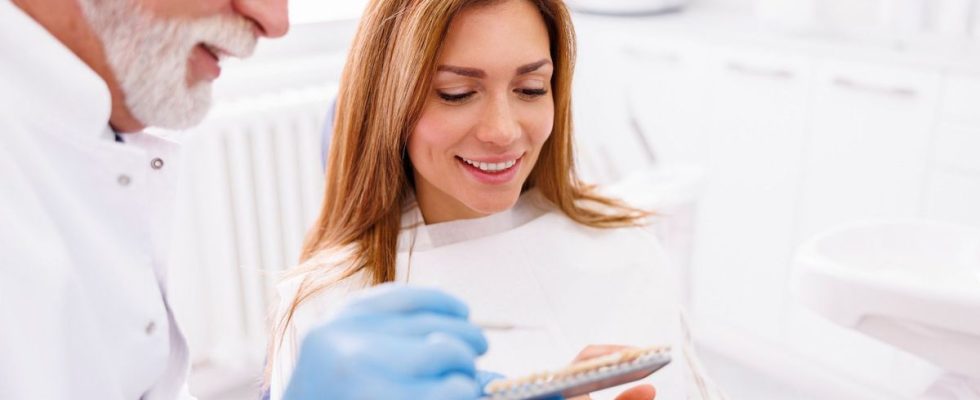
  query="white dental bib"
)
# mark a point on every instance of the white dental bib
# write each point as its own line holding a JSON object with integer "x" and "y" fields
{"x": 556, "y": 285}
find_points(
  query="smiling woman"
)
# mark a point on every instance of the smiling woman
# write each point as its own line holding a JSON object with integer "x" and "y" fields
{"x": 452, "y": 166}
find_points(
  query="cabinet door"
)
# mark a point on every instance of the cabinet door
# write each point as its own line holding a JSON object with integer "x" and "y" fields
{"x": 754, "y": 138}
{"x": 609, "y": 147}
{"x": 953, "y": 192}
{"x": 666, "y": 97}
{"x": 961, "y": 99}
{"x": 954, "y": 196}
{"x": 869, "y": 143}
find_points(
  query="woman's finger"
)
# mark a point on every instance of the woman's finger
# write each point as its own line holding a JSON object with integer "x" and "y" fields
{"x": 641, "y": 392}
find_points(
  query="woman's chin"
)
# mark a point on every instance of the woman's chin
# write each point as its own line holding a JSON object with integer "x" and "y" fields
{"x": 495, "y": 204}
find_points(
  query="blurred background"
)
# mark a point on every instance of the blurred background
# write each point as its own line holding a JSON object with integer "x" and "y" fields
{"x": 815, "y": 164}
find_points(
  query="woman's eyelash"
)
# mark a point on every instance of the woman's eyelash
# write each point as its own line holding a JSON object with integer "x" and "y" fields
{"x": 532, "y": 92}
{"x": 455, "y": 98}
{"x": 461, "y": 97}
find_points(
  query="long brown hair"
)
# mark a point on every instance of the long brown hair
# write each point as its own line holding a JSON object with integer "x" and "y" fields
{"x": 383, "y": 90}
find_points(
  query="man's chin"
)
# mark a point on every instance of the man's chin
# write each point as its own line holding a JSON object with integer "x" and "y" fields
{"x": 178, "y": 111}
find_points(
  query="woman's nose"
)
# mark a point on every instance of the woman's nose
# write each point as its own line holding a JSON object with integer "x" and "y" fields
{"x": 271, "y": 16}
{"x": 499, "y": 125}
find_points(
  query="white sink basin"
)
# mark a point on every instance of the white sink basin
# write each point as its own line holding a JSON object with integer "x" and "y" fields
{"x": 914, "y": 284}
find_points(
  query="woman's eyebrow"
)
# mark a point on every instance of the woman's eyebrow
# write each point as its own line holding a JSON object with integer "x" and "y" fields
{"x": 529, "y": 68}
{"x": 480, "y": 74}
{"x": 470, "y": 72}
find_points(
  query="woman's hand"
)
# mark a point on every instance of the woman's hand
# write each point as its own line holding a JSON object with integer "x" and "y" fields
{"x": 638, "y": 392}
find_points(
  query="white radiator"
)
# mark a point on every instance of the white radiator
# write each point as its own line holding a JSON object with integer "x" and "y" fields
{"x": 251, "y": 187}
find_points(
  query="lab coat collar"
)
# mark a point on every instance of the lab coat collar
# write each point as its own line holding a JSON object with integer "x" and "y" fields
{"x": 55, "y": 89}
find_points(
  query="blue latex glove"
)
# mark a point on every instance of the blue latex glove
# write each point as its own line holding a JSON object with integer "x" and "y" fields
{"x": 394, "y": 342}
{"x": 483, "y": 378}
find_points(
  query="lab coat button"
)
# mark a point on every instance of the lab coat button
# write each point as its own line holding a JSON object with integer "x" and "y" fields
{"x": 123, "y": 180}
{"x": 150, "y": 328}
{"x": 157, "y": 163}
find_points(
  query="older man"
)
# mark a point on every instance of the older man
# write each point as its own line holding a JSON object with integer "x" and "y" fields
{"x": 86, "y": 203}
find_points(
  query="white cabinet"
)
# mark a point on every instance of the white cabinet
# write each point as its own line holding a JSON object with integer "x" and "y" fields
{"x": 961, "y": 100}
{"x": 666, "y": 96}
{"x": 958, "y": 134}
{"x": 953, "y": 192}
{"x": 954, "y": 197}
{"x": 754, "y": 137}
{"x": 609, "y": 146}
{"x": 958, "y": 149}
{"x": 869, "y": 142}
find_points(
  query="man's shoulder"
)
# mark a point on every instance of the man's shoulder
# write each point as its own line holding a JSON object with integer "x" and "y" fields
{"x": 21, "y": 206}
{"x": 16, "y": 128}
{"x": 27, "y": 233}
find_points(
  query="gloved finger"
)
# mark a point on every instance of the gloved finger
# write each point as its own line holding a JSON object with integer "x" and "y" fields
{"x": 442, "y": 354}
{"x": 483, "y": 378}
{"x": 396, "y": 358}
{"x": 423, "y": 325}
{"x": 450, "y": 387}
{"x": 397, "y": 298}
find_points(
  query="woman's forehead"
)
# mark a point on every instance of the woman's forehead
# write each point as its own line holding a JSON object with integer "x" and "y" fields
{"x": 503, "y": 34}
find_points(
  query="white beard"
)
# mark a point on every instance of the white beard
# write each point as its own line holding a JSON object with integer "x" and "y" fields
{"x": 149, "y": 57}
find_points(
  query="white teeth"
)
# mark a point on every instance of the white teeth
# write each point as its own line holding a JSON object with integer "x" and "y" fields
{"x": 491, "y": 167}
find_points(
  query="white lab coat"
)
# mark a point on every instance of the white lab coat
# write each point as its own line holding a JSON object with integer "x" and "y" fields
{"x": 83, "y": 229}
{"x": 561, "y": 284}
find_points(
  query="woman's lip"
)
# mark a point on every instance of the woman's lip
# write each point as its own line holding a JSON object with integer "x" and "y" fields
{"x": 495, "y": 159}
{"x": 491, "y": 178}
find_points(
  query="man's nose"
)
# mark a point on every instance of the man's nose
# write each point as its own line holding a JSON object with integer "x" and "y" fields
{"x": 271, "y": 16}
{"x": 499, "y": 125}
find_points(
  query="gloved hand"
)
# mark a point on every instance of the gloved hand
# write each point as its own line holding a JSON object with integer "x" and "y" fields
{"x": 393, "y": 342}
{"x": 483, "y": 378}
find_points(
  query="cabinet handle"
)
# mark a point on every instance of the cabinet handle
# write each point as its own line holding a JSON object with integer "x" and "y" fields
{"x": 891, "y": 91}
{"x": 772, "y": 73}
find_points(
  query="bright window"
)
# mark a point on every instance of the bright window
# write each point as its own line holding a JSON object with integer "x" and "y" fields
{"x": 309, "y": 11}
